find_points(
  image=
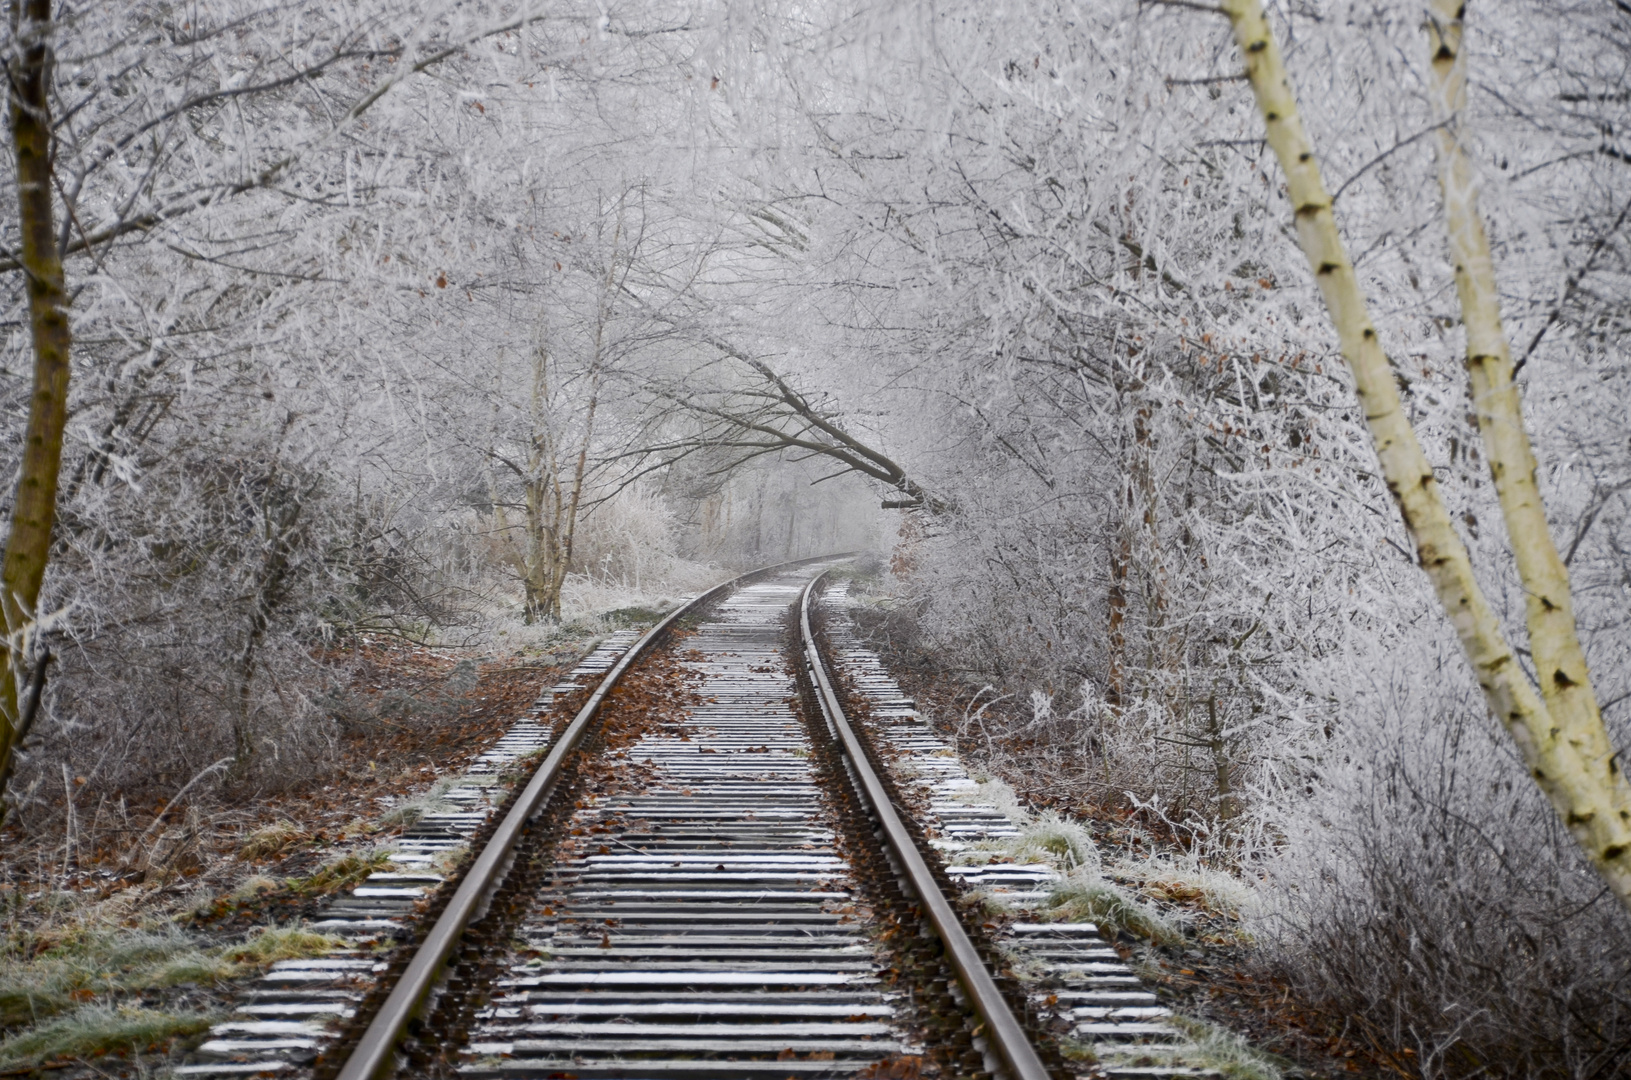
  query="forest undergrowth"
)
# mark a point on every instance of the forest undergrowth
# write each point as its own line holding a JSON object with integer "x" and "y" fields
{"x": 125, "y": 939}
{"x": 1440, "y": 949}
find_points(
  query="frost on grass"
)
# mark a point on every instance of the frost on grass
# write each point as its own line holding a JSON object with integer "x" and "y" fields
{"x": 430, "y": 802}
{"x": 254, "y": 887}
{"x": 340, "y": 873}
{"x": 96, "y": 1030}
{"x": 997, "y": 793}
{"x": 1049, "y": 839}
{"x": 275, "y": 943}
{"x": 1226, "y": 1053}
{"x": 447, "y": 861}
{"x": 1086, "y": 897}
{"x": 988, "y": 903}
{"x": 1188, "y": 882}
{"x": 1209, "y": 1051}
{"x": 86, "y": 963}
{"x": 1044, "y": 838}
{"x": 271, "y": 841}
{"x": 1186, "y": 529}
{"x": 113, "y": 961}
{"x": 97, "y": 988}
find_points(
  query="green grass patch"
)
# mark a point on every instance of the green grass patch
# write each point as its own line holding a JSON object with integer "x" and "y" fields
{"x": 338, "y": 874}
{"x": 1091, "y": 899}
{"x": 98, "y": 1030}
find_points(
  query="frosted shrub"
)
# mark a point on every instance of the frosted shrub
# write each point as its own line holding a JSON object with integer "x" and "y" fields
{"x": 1428, "y": 890}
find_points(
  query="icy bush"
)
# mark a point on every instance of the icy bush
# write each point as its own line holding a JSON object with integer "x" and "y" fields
{"x": 1428, "y": 890}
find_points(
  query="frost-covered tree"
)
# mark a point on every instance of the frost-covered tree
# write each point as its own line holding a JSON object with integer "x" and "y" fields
{"x": 242, "y": 198}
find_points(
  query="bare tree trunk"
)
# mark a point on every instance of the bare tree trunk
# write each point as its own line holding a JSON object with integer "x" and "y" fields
{"x": 1121, "y": 559}
{"x": 28, "y": 540}
{"x": 1163, "y": 661}
{"x": 759, "y": 518}
{"x": 550, "y": 541}
{"x": 539, "y": 576}
{"x": 566, "y": 533}
{"x": 568, "y": 529}
{"x": 1600, "y": 803}
{"x": 1228, "y": 807}
{"x": 1121, "y": 555}
{"x": 280, "y": 528}
{"x": 1572, "y": 764}
{"x": 792, "y": 523}
{"x": 518, "y": 561}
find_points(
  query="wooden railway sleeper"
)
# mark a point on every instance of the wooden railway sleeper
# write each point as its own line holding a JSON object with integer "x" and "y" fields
{"x": 1010, "y": 1027}
{"x": 907, "y": 892}
{"x": 400, "y": 1003}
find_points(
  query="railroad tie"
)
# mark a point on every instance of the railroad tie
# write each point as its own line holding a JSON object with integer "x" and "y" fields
{"x": 1079, "y": 978}
{"x": 704, "y": 924}
{"x": 287, "y": 1017}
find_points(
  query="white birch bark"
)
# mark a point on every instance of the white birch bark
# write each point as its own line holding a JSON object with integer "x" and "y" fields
{"x": 1566, "y": 767}
{"x": 1599, "y": 805}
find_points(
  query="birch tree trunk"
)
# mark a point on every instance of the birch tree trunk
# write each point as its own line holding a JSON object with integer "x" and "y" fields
{"x": 28, "y": 539}
{"x": 1602, "y": 810}
{"x": 1573, "y": 767}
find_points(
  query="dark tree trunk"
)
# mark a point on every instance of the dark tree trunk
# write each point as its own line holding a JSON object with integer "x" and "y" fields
{"x": 28, "y": 537}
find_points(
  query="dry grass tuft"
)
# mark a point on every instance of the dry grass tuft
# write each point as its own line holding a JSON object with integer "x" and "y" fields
{"x": 1086, "y": 897}
{"x": 1211, "y": 1051}
{"x": 272, "y": 841}
{"x": 283, "y": 943}
{"x": 1227, "y": 1054}
{"x": 340, "y": 873}
{"x": 86, "y": 963}
{"x": 254, "y": 887}
{"x": 1187, "y": 883}
{"x": 44, "y": 977}
{"x": 430, "y": 802}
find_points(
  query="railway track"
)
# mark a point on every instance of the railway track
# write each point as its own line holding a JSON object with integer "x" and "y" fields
{"x": 719, "y": 877}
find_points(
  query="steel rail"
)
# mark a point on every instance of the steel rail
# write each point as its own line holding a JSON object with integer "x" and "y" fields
{"x": 374, "y": 1056}
{"x": 1002, "y": 1028}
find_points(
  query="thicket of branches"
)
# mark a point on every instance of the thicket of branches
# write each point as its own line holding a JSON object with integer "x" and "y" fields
{"x": 1064, "y": 270}
{"x": 406, "y": 317}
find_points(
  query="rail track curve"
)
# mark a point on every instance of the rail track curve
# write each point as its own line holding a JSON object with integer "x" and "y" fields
{"x": 373, "y": 1055}
{"x": 760, "y": 844}
{"x": 733, "y": 887}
